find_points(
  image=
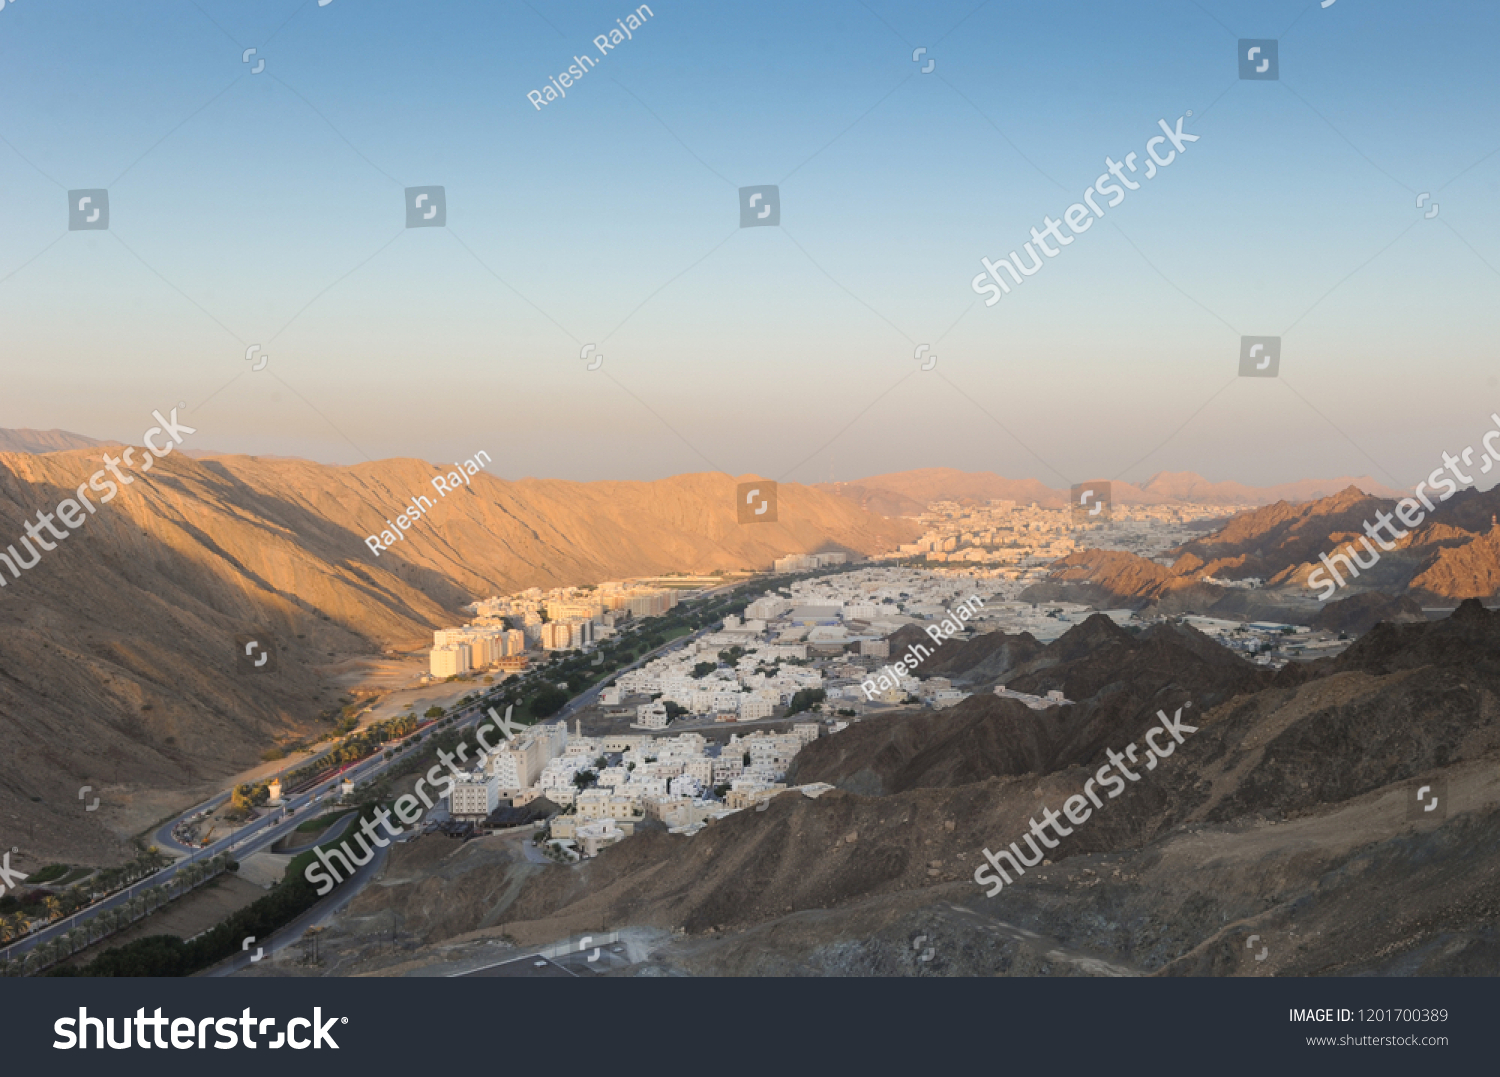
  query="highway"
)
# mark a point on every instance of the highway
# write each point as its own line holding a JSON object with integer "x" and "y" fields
{"x": 259, "y": 949}
{"x": 267, "y": 830}
{"x": 250, "y": 838}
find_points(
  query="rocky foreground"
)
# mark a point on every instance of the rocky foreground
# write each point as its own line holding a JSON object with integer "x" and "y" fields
{"x": 1290, "y": 815}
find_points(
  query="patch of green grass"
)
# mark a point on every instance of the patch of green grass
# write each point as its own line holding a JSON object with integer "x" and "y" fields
{"x": 48, "y": 873}
{"x": 322, "y": 822}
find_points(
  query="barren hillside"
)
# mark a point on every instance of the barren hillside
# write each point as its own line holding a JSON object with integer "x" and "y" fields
{"x": 1286, "y": 814}
{"x": 117, "y": 649}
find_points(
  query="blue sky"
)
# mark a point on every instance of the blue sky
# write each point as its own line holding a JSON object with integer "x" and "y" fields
{"x": 268, "y": 208}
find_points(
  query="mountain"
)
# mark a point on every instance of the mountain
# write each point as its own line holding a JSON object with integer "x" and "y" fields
{"x": 117, "y": 649}
{"x": 1451, "y": 555}
{"x": 1186, "y": 486}
{"x": 912, "y": 491}
{"x": 39, "y": 441}
{"x": 1286, "y": 813}
{"x": 908, "y": 493}
{"x": 1114, "y": 679}
{"x": 1359, "y": 613}
{"x": 986, "y": 657}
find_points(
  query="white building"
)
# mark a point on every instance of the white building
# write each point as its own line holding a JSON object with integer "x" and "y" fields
{"x": 451, "y": 660}
{"x": 685, "y": 785}
{"x": 767, "y": 608}
{"x": 651, "y": 715}
{"x": 593, "y": 803}
{"x": 521, "y": 761}
{"x": 753, "y": 707}
{"x": 594, "y": 836}
{"x": 474, "y": 797}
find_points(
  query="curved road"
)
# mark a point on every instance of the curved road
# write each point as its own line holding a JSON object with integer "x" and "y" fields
{"x": 251, "y": 838}
{"x": 263, "y": 832}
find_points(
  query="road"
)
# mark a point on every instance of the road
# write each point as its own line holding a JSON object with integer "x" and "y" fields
{"x": 290, "y": 933}
{"x": 251, "y": 838}
{"x": 265, "y": 831}
{"x": 531, "y": 966}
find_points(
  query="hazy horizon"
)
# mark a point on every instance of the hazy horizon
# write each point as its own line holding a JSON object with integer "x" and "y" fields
{"x": 1367, "y": 482}
{"x": 266, "y": 208}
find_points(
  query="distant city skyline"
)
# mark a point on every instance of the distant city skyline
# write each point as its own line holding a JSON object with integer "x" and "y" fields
{"x": 577, "y": 286}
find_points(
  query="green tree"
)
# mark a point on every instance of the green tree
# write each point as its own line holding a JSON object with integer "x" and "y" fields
{"x": 548, "y": 702}
{"x": 804, "y": 699}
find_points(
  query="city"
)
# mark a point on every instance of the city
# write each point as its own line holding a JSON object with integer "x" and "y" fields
{"x": 471, "y": 523}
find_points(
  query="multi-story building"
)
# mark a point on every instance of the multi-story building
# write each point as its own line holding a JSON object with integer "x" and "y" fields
{"x": 767, "y": 608}
{"x": 611, "y": 777}
{"x": 685, "y": 785}
{"x": 753, "y": 707}
{"x": 474, "y": 796}
{"x": 593, "y": 803}
{"x": 573, "y": 610}
{"x": 651, "y": 715}
{"x": 521, "y": 761}
{"x": 450, "y": 661}
{"x": 643, "y": 603}
{"x": 701, "y": 770}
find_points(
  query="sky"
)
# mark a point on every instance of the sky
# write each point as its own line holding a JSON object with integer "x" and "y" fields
{"x": 268, "y": 207}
